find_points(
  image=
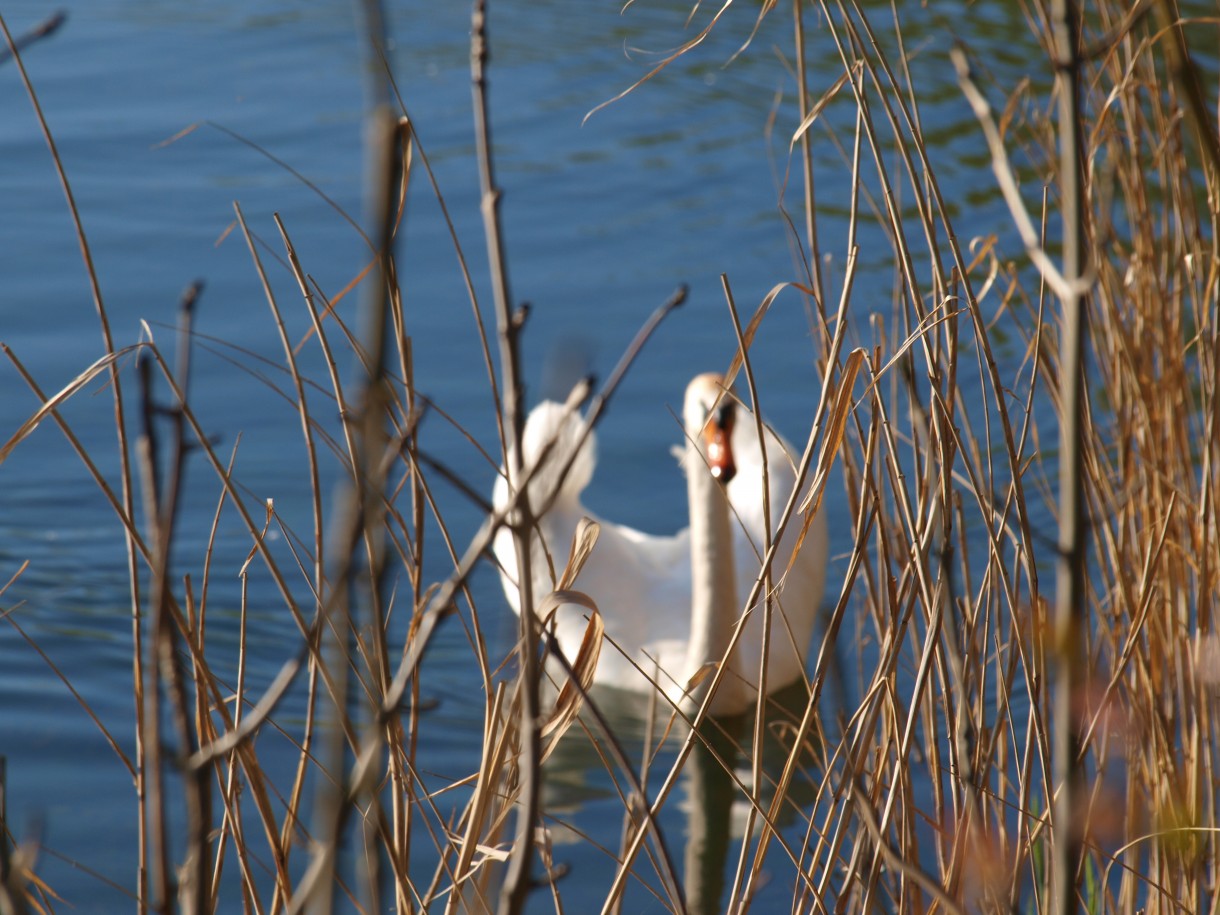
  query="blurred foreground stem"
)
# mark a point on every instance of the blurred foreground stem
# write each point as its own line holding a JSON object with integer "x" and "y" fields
{"x": 518, "y": 880}
{"x": 1070, "y": 608}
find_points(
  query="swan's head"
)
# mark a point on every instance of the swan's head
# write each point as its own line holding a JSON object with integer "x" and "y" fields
{"x": 708, "y": 413}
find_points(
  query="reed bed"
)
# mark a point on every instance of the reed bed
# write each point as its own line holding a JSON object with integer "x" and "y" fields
{"x": 967, "y": 740}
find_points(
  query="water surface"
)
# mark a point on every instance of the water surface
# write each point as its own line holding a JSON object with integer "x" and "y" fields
{"x": 676, "y": 183}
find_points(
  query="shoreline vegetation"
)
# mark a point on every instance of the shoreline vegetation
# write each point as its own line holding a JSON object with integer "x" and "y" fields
{"x": 1038, "y": 731}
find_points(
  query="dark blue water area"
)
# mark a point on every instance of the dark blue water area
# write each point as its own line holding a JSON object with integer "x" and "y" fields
{"x": 603, "y": 218}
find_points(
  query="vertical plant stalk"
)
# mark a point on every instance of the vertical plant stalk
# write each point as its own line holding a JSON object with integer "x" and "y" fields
{"x": 402, "y": 764}
{"x": 360, "y": 519}
{"x": 361, "y": 516}
{"x": 1069, "y": 592}
{"x": 1064, "y": 798}
{"x": 768, "y": 608}
{"x": 288, "y": 831}
{"x": 161, "y": 501}
{"x": 518, "y": 880}
{"x": 802, "y": 89}
{"x": 157, "y": 868}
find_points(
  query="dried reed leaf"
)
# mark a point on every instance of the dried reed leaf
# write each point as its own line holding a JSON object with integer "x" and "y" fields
{"x": 490, "y": 854}
{"x": 24, "y": 565}
{"x": 583, "y": 541}
{"x": 485, "y": 794}
{"x": 822, "y": 102}
{"x": 834, "y": 435}
{"x": 812, "y": 503}
{"x": 57, "y": 400}
{"x": 984, "y": 249}
{"x": 686, "y": 46}
{"x": 932, "y": 320}
{"x": 584, "y": 666}
{"x": 705, "y": 671}
{"x": 747, "y": 336}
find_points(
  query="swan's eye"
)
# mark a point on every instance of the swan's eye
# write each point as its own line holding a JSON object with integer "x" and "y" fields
{"x": 724, "y": 414}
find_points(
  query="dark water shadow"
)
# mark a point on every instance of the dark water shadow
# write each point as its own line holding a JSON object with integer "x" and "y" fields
{"x": 705, "y": 819}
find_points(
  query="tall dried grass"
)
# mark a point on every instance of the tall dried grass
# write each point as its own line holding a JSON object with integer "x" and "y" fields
{"x": 932, "y": 784}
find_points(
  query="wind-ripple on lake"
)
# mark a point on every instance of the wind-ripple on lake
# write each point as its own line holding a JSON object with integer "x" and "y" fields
{"x": 675, "y": 183}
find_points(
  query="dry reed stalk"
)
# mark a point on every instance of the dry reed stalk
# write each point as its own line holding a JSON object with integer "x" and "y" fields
{"x": 1070, "y": 612}
{"x": 509, "y": 323}
{"x": 936, "y": 784}
{"x": 1151, "y": 473}
{"x": 126, "y": 473}
{"x": 162, "y": 498}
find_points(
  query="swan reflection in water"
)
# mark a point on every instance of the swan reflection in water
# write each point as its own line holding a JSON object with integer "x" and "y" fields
{"x": 705, "y": 819}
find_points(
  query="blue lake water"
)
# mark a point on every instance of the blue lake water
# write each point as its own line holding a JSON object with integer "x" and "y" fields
{"x": 676, "y": 183}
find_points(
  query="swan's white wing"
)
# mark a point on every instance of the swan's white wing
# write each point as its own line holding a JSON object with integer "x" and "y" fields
{"x": 552, "y": 436}
{"x": 640, "y": 582}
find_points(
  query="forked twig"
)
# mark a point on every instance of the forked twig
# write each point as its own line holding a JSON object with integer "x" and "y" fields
{"x": 1008, "y": 182}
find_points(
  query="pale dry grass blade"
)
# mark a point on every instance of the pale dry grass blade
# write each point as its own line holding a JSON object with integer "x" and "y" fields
{"x": 922, "y": 770}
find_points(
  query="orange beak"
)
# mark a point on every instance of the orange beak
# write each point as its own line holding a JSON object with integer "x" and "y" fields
{"x": 717, "y": 436}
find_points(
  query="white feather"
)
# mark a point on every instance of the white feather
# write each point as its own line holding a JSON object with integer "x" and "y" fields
{"x": 642, "y": 583}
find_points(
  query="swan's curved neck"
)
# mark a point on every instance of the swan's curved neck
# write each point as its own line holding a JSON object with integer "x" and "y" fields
{"x": 713, "y": 579}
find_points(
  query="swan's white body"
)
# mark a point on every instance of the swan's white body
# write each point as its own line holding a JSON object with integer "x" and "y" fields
{"x": 671, "y": 603}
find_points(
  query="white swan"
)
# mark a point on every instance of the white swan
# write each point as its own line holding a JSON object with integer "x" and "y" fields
{"x": 671, "y": 603}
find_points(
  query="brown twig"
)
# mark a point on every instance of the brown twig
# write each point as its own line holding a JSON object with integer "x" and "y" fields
{"x": 518, "y": 881}
{"x": 44, "y": 29}
{"x": 1070, "y": 613}
{"x": 161, "y": 502}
